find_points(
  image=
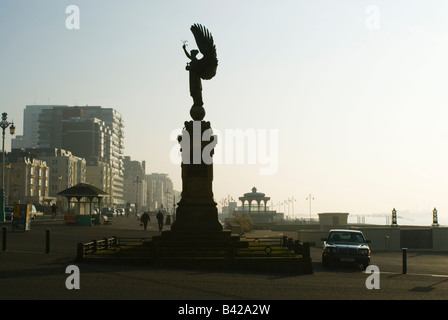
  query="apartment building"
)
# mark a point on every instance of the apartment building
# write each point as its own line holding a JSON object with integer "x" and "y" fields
{"x": 66, "y": 169}
{"x": 160, "y": 192}
{"x": 135, "y": 184}
{"x": 26, "y": 178}
{"x": 90, "y": 132}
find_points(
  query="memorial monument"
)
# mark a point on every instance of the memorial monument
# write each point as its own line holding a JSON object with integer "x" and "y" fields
{"x": 197, "y": 225}
{"x": 197, "y": 211}
{"x": 197, "y": 237}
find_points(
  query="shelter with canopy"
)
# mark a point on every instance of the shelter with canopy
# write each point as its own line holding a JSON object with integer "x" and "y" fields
{"x": 84, "y": 197}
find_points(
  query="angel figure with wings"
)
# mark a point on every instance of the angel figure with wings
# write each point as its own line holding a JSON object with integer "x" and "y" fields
{"x": 204, "y": 68}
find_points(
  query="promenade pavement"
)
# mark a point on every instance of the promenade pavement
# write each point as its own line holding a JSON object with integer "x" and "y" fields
{"x": 27, "y": 272}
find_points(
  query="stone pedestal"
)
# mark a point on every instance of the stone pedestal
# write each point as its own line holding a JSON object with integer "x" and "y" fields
{"x": 197, "y": 211}
{"x": 196, "y": 232}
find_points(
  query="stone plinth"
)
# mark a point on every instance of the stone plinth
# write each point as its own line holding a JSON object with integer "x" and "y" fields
{"x": 196, "y": 230}
{"x": 187, "y": 244}
{"x": 197, "y": 211}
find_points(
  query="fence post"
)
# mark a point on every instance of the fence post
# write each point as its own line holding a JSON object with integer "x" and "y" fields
{"x": 284, "y": 241}
{"x": 80, "y": 251}
{"x": 47, "y": 242}
{"x": 4, "y": 239}
{"x": 405, "y": 267}
{"x": 113, "y": 242}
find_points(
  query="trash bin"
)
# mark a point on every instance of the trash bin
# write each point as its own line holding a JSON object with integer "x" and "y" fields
{"x": 21, "y": 217}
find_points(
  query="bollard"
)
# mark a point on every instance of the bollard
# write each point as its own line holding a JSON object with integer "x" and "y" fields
{"x": 47, "y": 242}
{"x": 306, "y": 250}
{"x": 405, "y": 267}
{"x": 4, "y": 239}
{"x": 80, "y": 251}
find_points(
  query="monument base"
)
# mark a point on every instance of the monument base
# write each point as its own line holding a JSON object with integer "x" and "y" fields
{"x": 222, "y": 251}
{"x": 196, "y": 219}
{"x": 191, "y": 244}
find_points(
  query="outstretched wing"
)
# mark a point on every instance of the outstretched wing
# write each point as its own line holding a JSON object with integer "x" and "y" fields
{"x": 204, "y": 40}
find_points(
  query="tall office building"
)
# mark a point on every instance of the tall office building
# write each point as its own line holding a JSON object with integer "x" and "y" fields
{"x": 135, "y": 189}
{"x": 96, "y": 140}
{"x": 45, "y": 126}
{"x": 30, "y": 137}
{"x": 51, "y": 122}
{"x": 95, "y": 137}
{"x": 160, "y": 192}
{"x": 114, "y": 121}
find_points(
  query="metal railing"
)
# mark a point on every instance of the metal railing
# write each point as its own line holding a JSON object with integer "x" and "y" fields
{"x": 113, "y": 243}
{"x": 263, "y": 246}
{"x": 277, "y": 245}
{"x": 95, "y": 246}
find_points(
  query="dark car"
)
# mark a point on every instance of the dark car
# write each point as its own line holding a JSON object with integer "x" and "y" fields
{"x": 109, "y": 212}
{"x": 346, "y": 246}
{"x": 9, "y": 212}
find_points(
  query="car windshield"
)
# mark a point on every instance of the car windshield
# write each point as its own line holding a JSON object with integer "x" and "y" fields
{"x": 344, "y": 236}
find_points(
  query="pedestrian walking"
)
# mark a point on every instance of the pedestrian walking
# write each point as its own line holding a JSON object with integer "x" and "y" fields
{"x": 160, "y": 220}
{"x": 54, "y": 209}
{"x": 144, "y": 220}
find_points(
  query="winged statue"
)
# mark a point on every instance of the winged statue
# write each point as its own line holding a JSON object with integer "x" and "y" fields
{"x": 204, "y": 68}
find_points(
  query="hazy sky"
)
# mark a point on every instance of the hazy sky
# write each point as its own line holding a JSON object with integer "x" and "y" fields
{"x": 352, "y": 91}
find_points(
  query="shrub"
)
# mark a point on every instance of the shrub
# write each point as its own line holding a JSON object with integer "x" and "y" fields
{"x": 244, "y": 221}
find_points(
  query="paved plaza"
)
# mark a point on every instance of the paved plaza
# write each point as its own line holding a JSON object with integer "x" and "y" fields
{"x": 27, "y": 272}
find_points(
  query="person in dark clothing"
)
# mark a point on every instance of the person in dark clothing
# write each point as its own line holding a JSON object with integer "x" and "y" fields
{"x": 53, "y": 211}
{"x": 145, "y": 219}
{"x": 160, "y": 220}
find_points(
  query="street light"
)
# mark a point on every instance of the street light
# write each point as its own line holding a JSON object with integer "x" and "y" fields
{"x": 167, "y": 193}
{"x": 12, "y": 129}
{"x": 292, "y": 200}
{"x": 310, "y": 198}
{"x": 137, "y": 181}
{"x": 168, "y": 216}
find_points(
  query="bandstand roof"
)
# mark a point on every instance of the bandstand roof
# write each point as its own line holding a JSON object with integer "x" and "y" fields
{"x": 83, "y": 190}
{"x": 254, "y": 195}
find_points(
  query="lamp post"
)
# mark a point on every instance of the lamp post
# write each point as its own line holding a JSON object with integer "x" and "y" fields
{"x": 137, "y": 181}
{"x": 168, "y": 216}
{"x": 310, "y": 198}
{"x": 7, "y": 196}
{"x": 292, "y": 200}
{"x": 12, "y": 129}
{"x": 167, "y": 193}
